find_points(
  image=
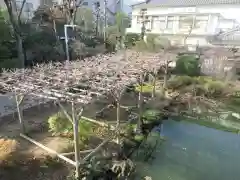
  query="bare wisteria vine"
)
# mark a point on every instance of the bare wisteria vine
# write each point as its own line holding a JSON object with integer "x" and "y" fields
{"x": 78, "y": 81}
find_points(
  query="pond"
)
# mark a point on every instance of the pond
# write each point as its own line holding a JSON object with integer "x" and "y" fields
{"x": 194, "y": 152}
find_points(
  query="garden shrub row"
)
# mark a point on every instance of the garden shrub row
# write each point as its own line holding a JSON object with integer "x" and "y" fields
{"x": 203, "y": 85}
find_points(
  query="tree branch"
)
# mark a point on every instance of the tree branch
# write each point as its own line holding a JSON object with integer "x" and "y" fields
{"x": 20, "y": 12}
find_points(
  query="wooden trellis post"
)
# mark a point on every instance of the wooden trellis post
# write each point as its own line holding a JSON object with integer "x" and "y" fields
{"x": 118, "y": 120}
{"x": 19, "y": 100}
{"x": 154, "y": 83}
{"x": 140, "y": 103}
{"x": 76, "y": 139}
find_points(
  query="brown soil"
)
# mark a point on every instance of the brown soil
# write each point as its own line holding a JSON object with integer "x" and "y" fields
{"x": 20, "y": 159}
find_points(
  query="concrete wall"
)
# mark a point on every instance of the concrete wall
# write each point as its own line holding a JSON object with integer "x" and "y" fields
{"x": 218, "y": 17}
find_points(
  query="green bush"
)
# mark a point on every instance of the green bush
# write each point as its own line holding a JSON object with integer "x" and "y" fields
{"x": 214, "y": 88}
{"x": 180, "y": 81}
{"x": 154, "y": 43}
{"x": 131, "y": 39}
{"x": 60, "y": 125}
{"x": 203, "y": 85}
{"x": 209, "y": 86}
{"x": 187, "y": 65}
{"x": 151, "y": 115}
{"x": 151, "y": 44}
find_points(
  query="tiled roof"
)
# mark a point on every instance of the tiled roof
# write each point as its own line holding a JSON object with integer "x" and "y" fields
{"x": 190, "y": 2}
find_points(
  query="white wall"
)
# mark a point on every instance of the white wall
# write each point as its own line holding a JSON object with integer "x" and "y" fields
{"x": 227, "y": 11}
{"x": 214, "y": 13}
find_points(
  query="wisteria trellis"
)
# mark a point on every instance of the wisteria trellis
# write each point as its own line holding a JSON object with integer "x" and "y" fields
{"x": 79, "y": 82}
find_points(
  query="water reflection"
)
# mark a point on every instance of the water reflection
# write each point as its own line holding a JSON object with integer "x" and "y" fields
{"x": 193, "y": 152}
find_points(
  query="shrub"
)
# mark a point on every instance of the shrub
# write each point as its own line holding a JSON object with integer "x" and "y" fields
{"x": 151, "y": 115}
{"x": 180, "y": 81}
{"x": 131, "y": 39}
{"x": 111, "y": 42}
{"x": 156, "y": 43}
{"x": 187, "y": 65}
{"x": 214, "y": 88}
{"x": 138, "y": 137}
{"x": 60, "y": 125}
{"x": 130, "y": 129}
{"x": 151, "y": 44}
{"x": 203, "y": 85}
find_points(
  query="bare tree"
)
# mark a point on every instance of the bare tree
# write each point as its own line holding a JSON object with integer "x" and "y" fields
{"x": 189, "y": 32}
{"x": 15, "y": 19}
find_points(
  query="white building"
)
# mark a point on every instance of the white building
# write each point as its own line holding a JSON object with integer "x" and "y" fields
{"x": 189, "y": 22}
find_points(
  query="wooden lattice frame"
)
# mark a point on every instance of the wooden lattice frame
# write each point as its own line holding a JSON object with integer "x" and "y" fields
{"x": 65, "y": 82}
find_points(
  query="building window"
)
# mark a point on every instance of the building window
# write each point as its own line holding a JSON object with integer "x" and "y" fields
{"x": 158, "y": 22}
{"x": 186, "y": 22}
{"x": 200, "y": 22}
{"x": 170, "y": 20}
{"x": 162, "y": 22}
{"x": 155, "y": 23}
{"x": 146, "y": 20}
{"x": 225, "y": 24}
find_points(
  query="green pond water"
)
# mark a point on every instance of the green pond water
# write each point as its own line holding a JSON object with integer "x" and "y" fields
{"x": 194, "y": 152}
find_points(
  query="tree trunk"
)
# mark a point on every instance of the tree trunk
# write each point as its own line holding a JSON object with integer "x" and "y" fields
{"x": 21, "y": 56}
{"x": 15, "y": 21}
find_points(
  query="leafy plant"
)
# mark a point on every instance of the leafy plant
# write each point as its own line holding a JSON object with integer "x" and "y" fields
{"x": 151, "y": 115}
{"x": 60, "y": 125}
{"x": 214, "y": 88}
{"x": 138, "y": 137}
{"x": 151, "y": 43}
{"x": 203, "y": 85}
{"x": 131, "y": 39}
{"x": 180, "y": 81}
{"x": 187, "y": 65}
{"x": 130, "y": 129}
